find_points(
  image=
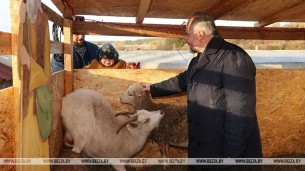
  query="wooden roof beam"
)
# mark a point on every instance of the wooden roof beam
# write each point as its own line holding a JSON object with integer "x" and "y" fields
{"x": 225, "y": 6}
{"x": 123, "y": 29}
{"x": 292, "y": 12}
{"x": 65, "y": 8}
{"x": 262, "y": 33}
{"x": 142, "y": 10}
{"x": 176, "y": 31}
{"x": 60, "y": 6}
{"x": 53, "y": 16}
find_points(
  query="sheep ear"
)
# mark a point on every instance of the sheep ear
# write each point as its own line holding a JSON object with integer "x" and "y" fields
{"x": 133, "y": 124}
{"x": 138, "y": 94}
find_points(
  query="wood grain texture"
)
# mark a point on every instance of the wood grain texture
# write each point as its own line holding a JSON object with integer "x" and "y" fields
{"x": 8, "y": 127}
{"x": 142, "y": 10}
{"x": 56, "y": 47}
{"x": 280, "y": 103}
{"x": 56, "y": 136}
{"x": 68, "y": 56}
{"x": 247, "y": 10}
{"x": 152, "y": 30}
{"x": 5, "y": 43}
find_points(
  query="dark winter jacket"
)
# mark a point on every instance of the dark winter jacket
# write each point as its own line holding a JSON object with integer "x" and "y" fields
{"x": 80, "y": 61}
{"x": 221, "y": 102}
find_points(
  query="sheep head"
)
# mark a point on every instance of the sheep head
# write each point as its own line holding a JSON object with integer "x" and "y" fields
{"x": 136, "y": 97}
{"x": 146, "y": 122}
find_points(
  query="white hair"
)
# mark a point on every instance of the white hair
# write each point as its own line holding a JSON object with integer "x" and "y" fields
{"x": 203, "y": 21}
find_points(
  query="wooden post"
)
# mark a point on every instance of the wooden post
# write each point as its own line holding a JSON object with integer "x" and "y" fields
{"x": 68, "y": 52}
{"x": 16, "y": 42}
{"x": 29, "y": 143}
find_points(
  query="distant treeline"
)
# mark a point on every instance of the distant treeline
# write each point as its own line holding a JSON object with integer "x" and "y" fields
{"x": 180, "y": 44}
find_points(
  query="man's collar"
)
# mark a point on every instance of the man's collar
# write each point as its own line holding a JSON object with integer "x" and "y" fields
{"x": 214, "y": 45}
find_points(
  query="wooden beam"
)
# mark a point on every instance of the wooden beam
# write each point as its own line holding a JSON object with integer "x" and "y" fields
{"x": 59, "y": 4}
{"x": 68, "y": 55}
{"x": 225, "y": 6}
{"x": 53, "y": 16}
{"x": 293, "y": 12}
{"x": 28, "y": 140}
{"x": 56, "y": 47}
{"x": 120, "y": 29}
{"x": 262, "y": 33}
{"x": 153, "y": 30}
{"x": 5, "y": 43}
{"x": 16, "y": 42}
{"x": 142, "y": 10}
{"x": 65, "y": 8}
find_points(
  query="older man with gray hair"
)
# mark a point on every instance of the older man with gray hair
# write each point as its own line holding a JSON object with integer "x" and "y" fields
{"x": 221, "y": 93}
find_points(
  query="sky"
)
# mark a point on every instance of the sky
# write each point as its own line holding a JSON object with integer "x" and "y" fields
{"x": 6, "y": 22}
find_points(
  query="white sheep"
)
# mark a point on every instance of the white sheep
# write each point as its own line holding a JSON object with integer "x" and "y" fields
{"x": 172, "y": 129}
{"x": 92, "y": 125}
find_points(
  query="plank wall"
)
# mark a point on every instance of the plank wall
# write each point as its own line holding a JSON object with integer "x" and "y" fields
{"x": 280, "y": 102}
{"x": 56, "y": 136}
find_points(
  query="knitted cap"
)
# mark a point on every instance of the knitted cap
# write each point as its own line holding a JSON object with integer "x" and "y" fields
{"x": 107, "y": 51}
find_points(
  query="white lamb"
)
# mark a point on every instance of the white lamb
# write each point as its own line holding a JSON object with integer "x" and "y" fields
{"x": 92, "y": 125}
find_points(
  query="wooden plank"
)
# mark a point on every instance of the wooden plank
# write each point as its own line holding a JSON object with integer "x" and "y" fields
{"x": 56, "y": 47}
{"x": 68, "y": 56}
{"x": 53, "y": 16}
{"x": 120, "y": 29}
{"x": 151, "y": 30}
{"x": 34, "y": 146}
{"x": 142, "y": 10}
{"x": 224, "y": 6}
{"x": 293, "y": 12}
{"x": 5, "y": 43}
{"x": 262, "y": 33}
{"x": 59, "y": 4}
{"x": 28, "y": 138}
{"x": 56, "y": 136}
{"x": 40, "y": 27}
{"x": 16, "y": 42}
{"x": 8, "y": 127}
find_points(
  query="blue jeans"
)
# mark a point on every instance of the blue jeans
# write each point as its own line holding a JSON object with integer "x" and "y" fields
{"x": 56, "y": 66}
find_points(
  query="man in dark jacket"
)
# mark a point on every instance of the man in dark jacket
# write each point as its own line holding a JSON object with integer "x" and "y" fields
{"x": 220, "y": 86}
{"x": 83, "y": 53}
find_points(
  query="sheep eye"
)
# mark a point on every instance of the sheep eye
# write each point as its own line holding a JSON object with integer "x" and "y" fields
{"x": 129, "y": 94}
{"x": 146, "y": 121}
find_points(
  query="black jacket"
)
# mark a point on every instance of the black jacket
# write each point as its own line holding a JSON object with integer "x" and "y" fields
{"x": 221, "y": 102}
{"x": 80, "y": 61}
